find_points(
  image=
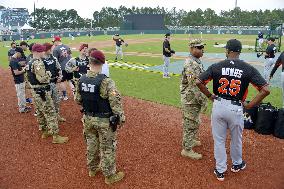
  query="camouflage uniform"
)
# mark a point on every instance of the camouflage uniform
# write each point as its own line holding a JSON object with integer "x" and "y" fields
{"x": 192, "y": 101}
{"x": 46, "y": 114}
{"x": 100, "y": 139}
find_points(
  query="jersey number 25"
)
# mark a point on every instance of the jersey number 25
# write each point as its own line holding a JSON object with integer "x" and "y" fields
{"x": 232, "y": 87}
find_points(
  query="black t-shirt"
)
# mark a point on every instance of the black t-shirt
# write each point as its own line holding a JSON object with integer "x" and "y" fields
{"x": 270, "y": 51}
{"x": 231, "y": 78}
{"x": 166, "y": 44}
{"x": 279, "y": 62}
{"x": 11, "y": 52}
{"x": 14, "y": 65}
{"x": 119, "y": 42}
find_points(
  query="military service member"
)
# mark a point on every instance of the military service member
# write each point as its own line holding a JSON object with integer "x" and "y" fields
{"x": 52, "y": 65}
{"x": 102, "y": 108}
{"x": 79, "y": 65}
{"x": 192, "y": 99}
{"x": 39, "y": 79}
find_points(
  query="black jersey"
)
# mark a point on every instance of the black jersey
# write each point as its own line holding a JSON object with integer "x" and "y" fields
{"x": 166, "y": 45}
{"x": 270, "y": 51}
{"x": 231, "y": 78}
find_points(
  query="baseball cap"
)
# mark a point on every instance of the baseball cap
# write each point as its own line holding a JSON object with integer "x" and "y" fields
{"x": 56, "y": 38}
{"x": 167, "y": 34}
{"x": 38, "y": 48}
{"x": 271, "y": 39}
{"x": 47, "y": 46}
{"x": 83, "y": 46}
{"x": 196, "y": 43}
{"x": 97, "y": 57}
{"x": 234, "y": 45}
{"x": 19, "y": 49}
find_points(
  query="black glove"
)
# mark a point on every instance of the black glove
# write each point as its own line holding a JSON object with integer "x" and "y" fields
{"x": 258, "y": 55}
{"x": 173, "y": 52}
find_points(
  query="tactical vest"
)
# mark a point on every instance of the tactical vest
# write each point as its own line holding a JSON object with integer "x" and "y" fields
{"x": 31, "y": 76}
{"x": 82, "y": 65}
{"x": 50, "y": 65}
{"x": 89, "y": 89}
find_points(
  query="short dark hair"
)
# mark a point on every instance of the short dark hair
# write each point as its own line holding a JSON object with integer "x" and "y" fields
{"x": 24, "y": 43}
{"x": 271, "y": 39}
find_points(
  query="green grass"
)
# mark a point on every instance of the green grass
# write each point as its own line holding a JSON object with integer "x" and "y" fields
{"x": 150, "y": 86}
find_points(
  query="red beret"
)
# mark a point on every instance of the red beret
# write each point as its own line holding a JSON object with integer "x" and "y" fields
{"x": 83, "y": 46}
{"x": 47, "y": 46}
{"x": 56, "y": 38}
{"x": 38, "y": 48}
{"x": 97, "y": 57}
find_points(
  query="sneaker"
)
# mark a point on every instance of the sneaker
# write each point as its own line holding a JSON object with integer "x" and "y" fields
{"x": 65, "y": 98}
{"x": 35, "y": 114}
{"x": 237, "y": 168}
{"x": 166, "y": 76}
{"x": 26, "y": 110}
{"x": 57, "y": 139}
{"x": 29, "y": 100}
{"x": 220, "y": 176}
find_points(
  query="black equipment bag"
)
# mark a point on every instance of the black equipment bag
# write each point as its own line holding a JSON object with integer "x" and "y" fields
{"x": 266, "y": 117}
{"x": 250, "y": 117}
{"x": 279, "y": 125}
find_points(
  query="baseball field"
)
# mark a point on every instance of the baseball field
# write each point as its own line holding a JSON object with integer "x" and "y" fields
{"x": 149, "y": 144}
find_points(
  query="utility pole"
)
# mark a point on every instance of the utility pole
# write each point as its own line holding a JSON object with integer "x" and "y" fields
{"x": 236, "y": 3}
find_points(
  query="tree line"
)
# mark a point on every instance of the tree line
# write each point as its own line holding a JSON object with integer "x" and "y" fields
{"x": 113, "y": 17}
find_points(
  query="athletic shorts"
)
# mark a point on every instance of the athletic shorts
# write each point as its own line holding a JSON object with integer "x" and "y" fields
{"x": 66, "y": 76}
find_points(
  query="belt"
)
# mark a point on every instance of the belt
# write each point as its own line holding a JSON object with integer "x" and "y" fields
{"x": 45, "y": 88}
{"x": 233, "y": 102}
{"x": 100, "y": 115}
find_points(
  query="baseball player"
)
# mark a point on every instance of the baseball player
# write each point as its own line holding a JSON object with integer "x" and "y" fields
{"x": 260, "y": 39}
{"x": 279, "y": 61}
{"x": 11, "y": 51}
{"x": 63, "y": 55}
{"x": 231, "y": 78}
{"x": 167, "y": 53}
{"x": 270, "y": 57}
{"x": 118, "y": 46}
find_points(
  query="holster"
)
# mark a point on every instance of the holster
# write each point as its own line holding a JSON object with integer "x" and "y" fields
{"x": 42, "y": 92}
{"x": 113, "y": 122}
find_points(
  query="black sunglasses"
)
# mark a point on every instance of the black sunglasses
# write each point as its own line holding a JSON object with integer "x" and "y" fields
{"x": 199, "y": 47}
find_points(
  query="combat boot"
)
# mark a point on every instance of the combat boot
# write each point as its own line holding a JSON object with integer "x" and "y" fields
{"x": 197, "y": 143}
{"x": 45, "y": 135}
{"x": 191, "y": 154}
{"x": 93, "y": 173}
{"x": 57, "y": 139}
{"x": 114, "y": 178}
{"x": 61, "y": 119}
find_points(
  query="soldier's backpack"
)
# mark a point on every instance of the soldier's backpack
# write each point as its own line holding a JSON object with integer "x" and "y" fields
{"x": 250, "y": 117}
{"x": 279, "y": 125}
{"x": 266, "y": 117}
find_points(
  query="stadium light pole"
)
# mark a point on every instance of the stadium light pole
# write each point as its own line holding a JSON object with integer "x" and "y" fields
{"x": 236, "y": 3}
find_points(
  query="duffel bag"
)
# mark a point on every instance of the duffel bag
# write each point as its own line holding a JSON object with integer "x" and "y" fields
{"x": 279, "y": 125}
{"x": 266, "y": 117}
{"x": 250, "y": 117}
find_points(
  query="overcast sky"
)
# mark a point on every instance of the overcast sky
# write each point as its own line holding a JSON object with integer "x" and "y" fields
{"x": 85, "y": 8}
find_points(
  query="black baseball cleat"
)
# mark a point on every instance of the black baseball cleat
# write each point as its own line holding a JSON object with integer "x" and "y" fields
{"x": 220, "y": 176}
{"x": 237, "y": 168}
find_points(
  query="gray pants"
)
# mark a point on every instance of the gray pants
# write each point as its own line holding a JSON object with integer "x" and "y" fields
{"x": 55, "y": 96}
{"x": 166, "y": 65}
{"x": 267, "y": 66}
{"x": 227, "y": 116}
{"x": 118, "y": 52}
{"x": 282, "y": 84}
{"x": 21, "y": 95}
